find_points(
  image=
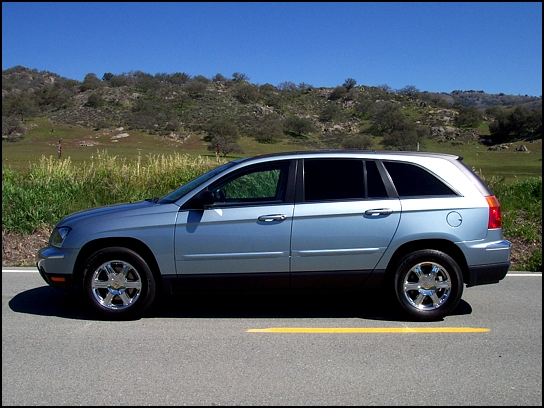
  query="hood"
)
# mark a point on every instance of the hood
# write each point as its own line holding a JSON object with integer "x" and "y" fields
{"x": 116, "y": 211}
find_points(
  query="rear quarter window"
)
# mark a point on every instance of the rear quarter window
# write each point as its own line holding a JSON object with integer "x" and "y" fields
{"x": 412, "y": 181}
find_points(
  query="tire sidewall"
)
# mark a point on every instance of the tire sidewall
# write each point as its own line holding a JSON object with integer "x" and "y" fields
{"x": 456, "y": 283}
{"x": 147, "y": 293}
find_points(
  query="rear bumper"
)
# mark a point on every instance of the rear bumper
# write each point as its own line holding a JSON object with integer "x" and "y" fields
{"x": 487, "y": 274}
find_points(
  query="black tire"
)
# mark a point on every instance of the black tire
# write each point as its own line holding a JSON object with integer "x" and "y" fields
{"x": 118, "y": 284}
{"x": 428, "y": 284}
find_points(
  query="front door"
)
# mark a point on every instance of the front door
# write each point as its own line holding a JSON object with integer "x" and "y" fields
{"x": 245, "y": 233}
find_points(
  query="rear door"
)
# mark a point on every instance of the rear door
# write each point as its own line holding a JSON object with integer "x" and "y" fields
{"x": 343, "y": 222}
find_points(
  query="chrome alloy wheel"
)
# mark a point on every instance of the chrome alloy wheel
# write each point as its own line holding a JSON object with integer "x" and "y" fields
{"x": 116, "y": 285}
{"x": 427, "y": 286}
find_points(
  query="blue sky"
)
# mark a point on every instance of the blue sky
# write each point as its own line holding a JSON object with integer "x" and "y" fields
{"x": 436, "y": 47}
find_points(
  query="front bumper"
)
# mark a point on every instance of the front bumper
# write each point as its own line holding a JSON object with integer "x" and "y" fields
{"x": 55, "y": 267}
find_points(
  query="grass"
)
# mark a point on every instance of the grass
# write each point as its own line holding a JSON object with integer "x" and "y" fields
{"x": 81, "y": 144}
{"x": 52, "y": 188}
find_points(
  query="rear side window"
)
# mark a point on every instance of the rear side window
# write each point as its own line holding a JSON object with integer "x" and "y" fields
{"x": 333, "y": 179}
{"x": 412, "y": 181}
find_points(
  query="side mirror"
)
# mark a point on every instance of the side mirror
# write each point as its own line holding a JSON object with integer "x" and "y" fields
{"x": 203, "y": 199}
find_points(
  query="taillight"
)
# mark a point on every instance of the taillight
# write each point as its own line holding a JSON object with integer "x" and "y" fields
{"x": 495, "y": 220}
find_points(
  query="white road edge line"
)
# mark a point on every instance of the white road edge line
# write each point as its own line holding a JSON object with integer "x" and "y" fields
{"x": 34, "y": 270}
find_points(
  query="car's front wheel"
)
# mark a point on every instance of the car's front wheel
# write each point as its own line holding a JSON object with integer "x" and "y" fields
{"x": 118, "y": 283}
{"x": 428, "y": 284}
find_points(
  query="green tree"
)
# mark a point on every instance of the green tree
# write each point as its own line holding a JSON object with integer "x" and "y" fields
{"x": 470, "y": 117}
{"x": 406, "y": 136}
{"x": 223, "y": 136}
{"x": 219, "y": 78}
{"x": 338, "y": 93}
{"x": 90, "y": 82}
{"x": 238, "y": 76}
{"x": 349, "y": 83}
{"x": 298, "y": 125}
{"x": 330, "y": 113}
{"x": 21, "y": 104}
{"x": 246, "y": 93}
{"x": 95, "y": 100}
{"x": 12, "y": 128}
{"x": 195, "y": 88}
{"x": 515, "y": 124}
{"x": 363, "y": 107}
{"x": 408, "y": 90}
{"x": 387, "y": 116}
{"x": 269, "y": 130}
{"x": 358, "y": 142}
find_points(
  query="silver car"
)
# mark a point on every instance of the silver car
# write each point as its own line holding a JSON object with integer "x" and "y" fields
{"x": 419, "y": 225}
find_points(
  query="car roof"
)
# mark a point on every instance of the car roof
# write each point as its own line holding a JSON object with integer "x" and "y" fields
{"x": 351, "y": 153}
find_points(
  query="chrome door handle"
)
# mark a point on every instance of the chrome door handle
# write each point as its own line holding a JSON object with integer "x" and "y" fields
{"x": 274, "y": 217}
{"x": 378, "y": 211}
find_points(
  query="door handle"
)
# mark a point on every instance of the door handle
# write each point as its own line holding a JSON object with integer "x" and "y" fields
{"x": 274, "y": 217}
{"x": 378, "y": 211}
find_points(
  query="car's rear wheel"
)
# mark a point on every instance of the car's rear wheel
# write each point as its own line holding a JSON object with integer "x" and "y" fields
{"x": 428, "y": 284}
{"x": 118, "y": 284}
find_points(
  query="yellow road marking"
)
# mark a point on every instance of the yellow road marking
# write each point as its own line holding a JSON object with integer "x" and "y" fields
{"x": 370, "y": 330}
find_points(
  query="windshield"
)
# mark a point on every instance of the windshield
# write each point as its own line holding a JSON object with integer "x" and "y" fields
{"x": 191, "y": 185}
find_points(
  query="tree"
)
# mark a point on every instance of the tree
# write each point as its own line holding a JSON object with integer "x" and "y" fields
{"x": 195, "y": 88}
{"x": 469, "y": 117}
{"x": 246, "y": 93}
{"x": 408, "y": 90}
{"x": 338, "y": 93}
{"x": 223, "y": 136}
{"x": 330, "y": 113}
{"x": 90, "y": 81}
{"x": 349, "y": 83}
{"x": 238, "y": 76}
{"x": 287, "y": 86}
{"x": 95, "y": 100}
{"x": 12, "y": 128}
{"x": 21, "y": 105}
{"x": 407, "y": 136}
{"x": 517, "y": 123}
{"x": 364, "y": 106}
{"x": 358, "y": 142}
{"x": 387, "y": 116}
{"x": 269, "y": 130}
{"x": 219, "y": 78}
{"x": 179, "y": 78}
{"x": 298, "y": 125}
{"x": 107, "y": 76}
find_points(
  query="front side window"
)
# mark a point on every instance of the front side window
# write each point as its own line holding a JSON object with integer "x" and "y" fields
{"x": 258, "y": 184}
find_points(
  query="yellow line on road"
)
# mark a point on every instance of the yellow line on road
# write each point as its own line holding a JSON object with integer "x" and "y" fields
{"x": 370, "y": 330}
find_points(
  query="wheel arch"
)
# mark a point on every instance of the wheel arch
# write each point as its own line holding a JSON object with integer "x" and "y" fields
{"x": 442, "y": 245}
{"x": 125, "y": 242}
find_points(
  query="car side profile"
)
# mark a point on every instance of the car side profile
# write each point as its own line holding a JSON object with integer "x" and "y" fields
{"x": 419, "y": 225}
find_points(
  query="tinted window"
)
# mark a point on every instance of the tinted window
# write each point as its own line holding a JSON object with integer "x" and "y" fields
{"x": 411, "y": 180}
{"x": 376, "y": 189}
{"x": 333, "y": 179}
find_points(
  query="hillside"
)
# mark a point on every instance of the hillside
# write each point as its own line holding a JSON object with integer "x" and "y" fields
{"x": 178, "y": 106}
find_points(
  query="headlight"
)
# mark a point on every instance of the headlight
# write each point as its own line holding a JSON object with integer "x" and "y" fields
{"x": 58, "y": 235}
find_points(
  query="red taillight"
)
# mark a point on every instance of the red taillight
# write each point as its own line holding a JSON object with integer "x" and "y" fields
{"x": 495, "y": 219}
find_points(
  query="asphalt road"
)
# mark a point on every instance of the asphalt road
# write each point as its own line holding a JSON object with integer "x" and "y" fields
{"x": 211, "y": 350}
